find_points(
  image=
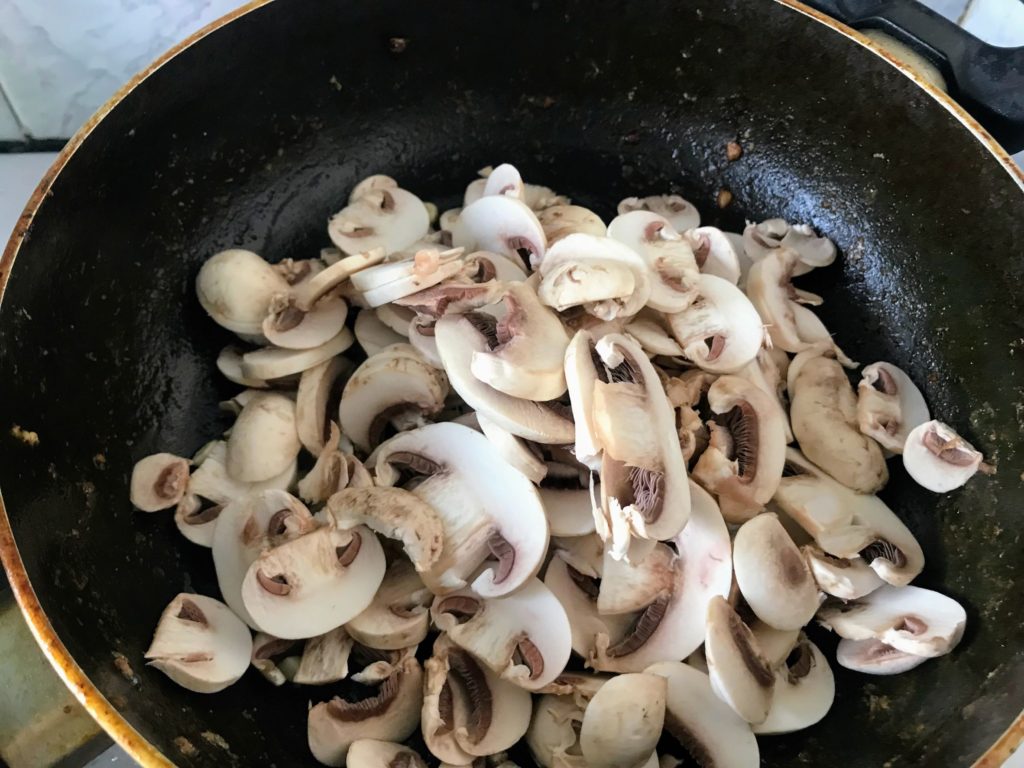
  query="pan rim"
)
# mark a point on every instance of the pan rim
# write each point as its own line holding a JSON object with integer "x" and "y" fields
{"x": 85, "y": 691}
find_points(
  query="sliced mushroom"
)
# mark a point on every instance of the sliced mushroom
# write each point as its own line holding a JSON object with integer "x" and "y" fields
{"x": 911, "y": 619}
{"x": 289, "y": 327}
{"x": 553, "y": 736}
{"x": 405, "y": 276}
{"x": 623, "y": 721}
{"x": 276, "y": 363}
{"x": 372, "y": 753}
{"x": 823, "y": 415}
{"x": 229, "y": 363}
{"x": 396, "y": 514}
{"x": 565, "y": 493}
{"x": 265, "y": 650}
{"x": 703, "y": 724}
{"x": 523, "y": 637}
{"x": 335, "y": 278}
{"x": 760, "y": 240}
{"x": 654, "y": 336}
{"x": 490, "y": 513}
{"x": 458, "y": 338}
{"x": 386, "y": 217}
{"x": 776, "y": 644}
{"x": 391, "y": 713}
{"x": 768, "y": 371}
{"x": 396, "y": 317}
{"x": 196, "y": 520}
{"x": 939, "y": 459}
{"x": 743, "y": 462}
{"x": 531, "y": 342}
{"x": 311, "y": 584}
{"x": 264, "y": 441}
{"x": 398, "y": 616}
{"x": 456, "y": 296}
{"x": 740, "y": 674}
{"x": 605, "y": 277}
{"x": 244, "y": 529}
{"x": 558, "y": 221}
{"x": 516, "y": 451}
{"x": 200, "y": 644}
{"x": 627, "y": 588}
{"x": 159, "y": 481}
{"x": 235, "y": 287}
{"x": 720, "y": 331}
{"x": 844, "y": 577}
{"x": 714, "y": 253}
{"x": 211, "y": 481}
{"x": 811, "y": 497}
{"x": 889, "y": 405}
{"x": 421, "y": 337}
{"x": 329, "y": 474}
{"x": 395, "y": 386}
{"x": 581, "y": 376}
{"x": 501, "y": 224}
{"x": 772, "y": 575}
{"x": 804, "y": 691}
{"x": 681, "y": 214}
{"x": 669, "y": 258}
{"x": 324, "y": 658}
{"x": 374, "y": 183}
{"x": 316, "y": 401}
{"x": 873, "y": 657}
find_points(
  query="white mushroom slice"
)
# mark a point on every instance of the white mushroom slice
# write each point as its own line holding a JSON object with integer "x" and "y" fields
{"x": 627, "y": 587}
{"x": 265, "y": 648}
{"x": 467, "y": 709}
{"x": 324, "y": 658}
{"x": 775, "y": 644}
{"x": 527, "y": 361}
{"x": 740, "y": 674}
{"x": 585, "y": 554}
{"x": 681, "y": 214}
{"x": 458, "y": 338}
{"x": 377, "y": 665}
{"x": 159, "y": 481}
{"x": 235, "y": 287}
{"x": 644, "y": 490}
{"x": 490, "y": 513}
{"x": 553, "y": 734}
{"x": 823, "y": 415}
{"x": 565, "y": 493}
{"x": 200, "y": 644}
{"x": 195, "y": 520}
{"x": 714, "y": 253}
{"x": 275, "y": 363}
{"x": 210, "y": 480}
{"x": 374, "y": 183}
{"x": 319, "y": 389}
{"x": 421, "y": 337}
{"x": 654, "y": 337}
{"x": 482, "y": 266}
{"x": 289, "y": 327}
{"x": 579, "y": 686}
{"x": 889, "y": 405}
{"x": 581, "y": 375}
{"x": 394, "y": 280}
{"x": 389, "y": 218}
{"x": 229, "y": 363}
{"x": 911, "y": 619}
{"x": 623, "y": 721}
{"x": 503, "y": 225}
{"x": 812, "y": 498}
{"x": 792, "y": 326}
{"x": 558, "y": 221}
{"x": 514, "y": 450}
{"x": 263, "y": 442}
{"x": 768, "y": 371}
{"x": 390, "y": 714}
{"x": 844, "y": 577}
{"x": 743, "y": 462}
{"x": 873, "y": 657}
{"x": 456, "y": 296}
{"x": 504, "y": 180}
{"x": 398, "y": 616}
{"x": 702, "y": 723}
{"x": 396, "y": 514}
{"x": 539, "y": 198}
{"x": 605, "y": 277}
{"x": 938, "y": 459}
{"x": 396, "y": 318}
{"x": 804, "y": 691}
{"x": 372, "y": 753}
{"x": 669, "y": 258}
{"x": 314, "y": 583}
{"x": 395, "y": 386}
{"x": 760, "y": 240}
{"x": 335, "y": 277}
{"x": 523, "y": 637}
{"x": 772, "y": 575}
{"x": 720, "y": 331}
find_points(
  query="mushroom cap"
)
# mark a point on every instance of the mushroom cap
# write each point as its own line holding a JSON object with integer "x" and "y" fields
{"x": 289, "y": 327}
{"x": 210, "y": 480}
{"x": 397, "y": 381}
{"x": 739, "y": 672}
{"x": 804, "y": 691}
{"x": 889, "y": 405}
{"x": 706, "y": 727}
{"x": 487, "y": 508}
{"x": 229, "y": 363}
{"x": 773, "y": 576}
{"x": 516, "y": 451}
{"x": 458, "y": 338}
{"x": 524, "y": 637}
{"x": 911, "y": 619}
{"x": 276, "y": 363}
{"x": 398, "y": 616}
{"x": 623, "y": 721}
{"x": 390, "y": 714}
{"x": 669, "y": 258}
{"x": 501, "y": 224}
{"x": 559, "y": 221}
{"x": 391, "y": 218}
{"x": 264, "y": 441}
{"x": 159, "y": 481}
{"x": 873, "y": 657}
{"x": 681, "y": 214}
{"x": 200, "y": 644}
{"x": 318, "y": 386}
{"x": 235, "y": 287}
{"x": 938, "y": 458}
{"x": 714, "y": 252}
{"x": 372, "y": 183}
{"x": 373, "y": 753}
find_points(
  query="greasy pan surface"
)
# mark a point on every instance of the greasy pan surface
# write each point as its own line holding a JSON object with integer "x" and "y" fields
{"x": 254, "y": 135}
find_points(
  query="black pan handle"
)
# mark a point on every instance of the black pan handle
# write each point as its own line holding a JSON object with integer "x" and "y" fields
{"x": 987, "y": 80}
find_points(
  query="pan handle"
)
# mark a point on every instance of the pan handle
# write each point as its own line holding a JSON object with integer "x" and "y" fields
{"x": 988, "y": 81}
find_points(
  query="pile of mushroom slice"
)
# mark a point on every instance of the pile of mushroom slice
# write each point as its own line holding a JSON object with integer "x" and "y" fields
{"x": 515, "y": 474}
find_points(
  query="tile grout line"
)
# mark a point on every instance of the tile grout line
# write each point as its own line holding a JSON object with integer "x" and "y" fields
{"x": 14, "y": 113}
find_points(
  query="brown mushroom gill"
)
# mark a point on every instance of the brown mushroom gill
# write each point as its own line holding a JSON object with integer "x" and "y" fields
{"x": 287, "y": 318}
{"x": 470, "y": 678}
{"x": 741, "y": 423}
{"x": 752, "y": 659}
{"x": 275, "y": 585}
{"x": 191, "y": 612}
{"x": 462, "y": 607}
{"x": 273, "y": 648}
{"x": 951, "y": 451}
{"x": 885, "y": 550}
{"x": 800, "y": 662}
{"x": 635, "y": 486}
{"x": 524, "y": 249}
{"x": 688, "y": 741}
{"x": 370, "y": 707}
{"x": 591, "y": 587}
{"x": 407, "y": 760}
{"x": 348, "y": 553}
{"x": 171, "y": 480}
{"x": 642, "y": 630}
{"x": 527, "y": 654}
{"x": 202, "y": 515}
{"x": 413, "y": 468}
{"x": 504, "y": 552}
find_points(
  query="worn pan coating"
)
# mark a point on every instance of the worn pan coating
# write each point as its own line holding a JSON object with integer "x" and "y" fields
{"x": 252, "y": 135}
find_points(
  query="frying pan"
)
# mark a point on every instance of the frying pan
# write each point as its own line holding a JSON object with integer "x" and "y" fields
{"x": 252, "y": 134}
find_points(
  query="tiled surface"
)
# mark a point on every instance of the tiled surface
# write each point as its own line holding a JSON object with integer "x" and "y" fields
{"x": 999, "y": 22}
{"x": 9, "y": 128}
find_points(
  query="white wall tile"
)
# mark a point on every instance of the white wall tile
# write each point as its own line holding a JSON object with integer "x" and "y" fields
{"x": 951, "y": 9}
{"x": 999, "y": 22}
{"x": 9, "y": 128}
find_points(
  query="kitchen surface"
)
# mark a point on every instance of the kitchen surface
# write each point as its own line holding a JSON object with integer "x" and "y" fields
{"x": 59, "y": 61}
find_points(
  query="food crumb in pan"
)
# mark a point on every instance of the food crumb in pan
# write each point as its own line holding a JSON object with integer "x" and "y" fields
{"x": 27, "y": 436}
{"x": 335, "y": 82}
{"x": 185, "y": 747}
{"x": 398, "y": 44}
{"x": 724, "y": 198}
{"x": 733, "y": 151}
{"x": 216, "y": 739}
{"x": 125, "y": 668}
{"x": 99, "y": 461}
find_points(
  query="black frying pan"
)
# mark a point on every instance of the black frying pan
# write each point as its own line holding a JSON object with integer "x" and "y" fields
{"x": 253, "y": 135}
